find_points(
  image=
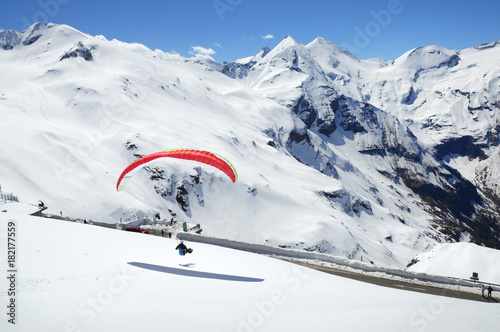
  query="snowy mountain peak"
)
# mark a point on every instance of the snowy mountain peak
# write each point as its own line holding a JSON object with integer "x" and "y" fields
{"x": 343, "y": 99}
{"x": 252, "y": 59}
{"x": 11, "y": 38}
{"x": 42, "y": 27}
{"x": 321, "y": 43}
{"x": 334, "y": 154}
{"x": 492, "y": 44}
{"x": 287, "y": 42}
{"x": 263, "y": 52}
{"x": 429, "y": 57}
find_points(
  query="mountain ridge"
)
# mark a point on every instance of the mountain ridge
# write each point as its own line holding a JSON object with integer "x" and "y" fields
{"x": 416, "y": 64}
{"x": 342, "y": 157}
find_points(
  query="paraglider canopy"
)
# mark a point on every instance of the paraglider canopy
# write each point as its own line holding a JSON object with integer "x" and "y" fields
{"x": 202, "y": 156}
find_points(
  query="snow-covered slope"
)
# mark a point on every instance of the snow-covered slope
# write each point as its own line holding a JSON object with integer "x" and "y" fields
{"x": 460, "y": 260}
{"x": 428, "y": 120}
{"x": 76, "y": 277}
{"x": 324, "y": 164}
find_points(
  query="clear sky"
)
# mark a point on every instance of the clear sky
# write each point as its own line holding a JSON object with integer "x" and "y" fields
{"x": 232, "y": 29}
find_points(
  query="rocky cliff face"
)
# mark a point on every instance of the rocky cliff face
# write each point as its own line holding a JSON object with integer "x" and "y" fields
{"x": 431, "y": 116}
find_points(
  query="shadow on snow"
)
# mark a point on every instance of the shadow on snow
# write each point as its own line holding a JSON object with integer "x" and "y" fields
{"x": 195, "y": 274}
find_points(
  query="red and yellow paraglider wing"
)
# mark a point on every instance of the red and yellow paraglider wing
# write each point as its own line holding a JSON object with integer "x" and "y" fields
{"x": 205, "y": 157}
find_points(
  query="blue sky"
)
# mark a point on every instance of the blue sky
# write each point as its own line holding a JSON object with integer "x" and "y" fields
{"x": 232, "y": 29}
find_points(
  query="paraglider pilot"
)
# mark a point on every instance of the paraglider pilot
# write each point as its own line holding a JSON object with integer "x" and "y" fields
{"x": 183, "y": 249}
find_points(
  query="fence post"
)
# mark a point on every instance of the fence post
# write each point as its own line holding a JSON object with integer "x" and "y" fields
{"x": 8, "y": 197}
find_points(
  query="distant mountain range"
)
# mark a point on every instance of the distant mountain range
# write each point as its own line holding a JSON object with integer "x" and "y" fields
{"x": 367, "y": 159}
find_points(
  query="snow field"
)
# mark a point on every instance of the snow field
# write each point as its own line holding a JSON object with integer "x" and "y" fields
{"x": 77, "y": 277}
{"x": 466, "y": 259}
